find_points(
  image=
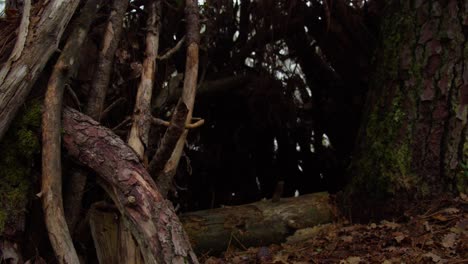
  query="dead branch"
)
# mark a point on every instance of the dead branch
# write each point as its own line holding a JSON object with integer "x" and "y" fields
{"x": 138, "y": 138}
{"x": 168, "y": 143}
{"x": 65, "y": 68}
{"x": 108, "y": 109}
{"x": 26, "y": 66}
{"x": 160, "y": 122}
{"x": 188, "y": 92}
{"x": 173, "y": 50}
{"x": 150, "y": 217}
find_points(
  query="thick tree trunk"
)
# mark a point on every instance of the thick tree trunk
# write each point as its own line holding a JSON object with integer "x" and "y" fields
{"x": 150, "y": 217}
{"x": 413, "y": 143}
{"x": 36, "y": 42}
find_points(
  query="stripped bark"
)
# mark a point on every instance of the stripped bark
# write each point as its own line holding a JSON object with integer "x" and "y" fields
{"x": 51, "y": 192}
{"x": 114, "y": 242}
{"x": 138, "y": 138}
{"x": 188, "y": 93}
{"x": 25, "y": 66}
{"x": 150, "y": 217}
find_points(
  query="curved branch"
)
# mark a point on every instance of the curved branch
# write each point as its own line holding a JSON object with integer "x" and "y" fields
{"x": 51, "y": 192}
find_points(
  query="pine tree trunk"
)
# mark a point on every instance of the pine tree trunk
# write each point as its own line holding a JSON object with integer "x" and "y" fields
{"x": 413, "y": 142}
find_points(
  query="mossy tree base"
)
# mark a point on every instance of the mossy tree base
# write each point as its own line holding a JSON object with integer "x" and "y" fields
{"x": 413, "y": 141}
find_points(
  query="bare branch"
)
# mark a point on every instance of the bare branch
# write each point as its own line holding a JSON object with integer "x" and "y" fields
{"x": 173, "y": 50}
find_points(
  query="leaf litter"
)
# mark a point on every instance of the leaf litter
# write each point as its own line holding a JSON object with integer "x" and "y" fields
{"x": 438, "y": 236}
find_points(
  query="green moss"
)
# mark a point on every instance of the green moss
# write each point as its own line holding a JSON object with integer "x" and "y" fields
{"x": 20, "y": 147}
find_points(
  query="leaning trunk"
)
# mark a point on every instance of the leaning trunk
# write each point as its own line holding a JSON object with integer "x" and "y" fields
{"x": 413, "y": 144}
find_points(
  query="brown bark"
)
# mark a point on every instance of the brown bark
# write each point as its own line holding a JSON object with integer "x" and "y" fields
{"x": 97, "y": 96}
{"x": 24, "y": 66}
{"x": 188, "y": 93}
{"x": 51, "y": 191}
{"x": 138, "y": 138}
{"x": 256, "y": 224}
{"x": 150, "y": 217}
{"x": 168, "y": 143}
{"x": 414, "y": 141}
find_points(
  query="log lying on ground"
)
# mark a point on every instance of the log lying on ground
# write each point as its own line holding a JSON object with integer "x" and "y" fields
{"x": 150, "y": 218}
{"x": 256, "y": 224}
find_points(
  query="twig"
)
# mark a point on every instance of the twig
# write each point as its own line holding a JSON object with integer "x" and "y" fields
{"x": 173, "y": 50}
{"x": 108, "y": 109}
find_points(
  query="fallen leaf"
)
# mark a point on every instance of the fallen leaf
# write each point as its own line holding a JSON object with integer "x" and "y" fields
{"x": 351, "y": 260}
{"x": 399, "y": 236}
{"x": 391, "y": 225}
{"x": 449, "y": 240}
{"x": 433, "y": 257}
{"x": 451, "y": 210}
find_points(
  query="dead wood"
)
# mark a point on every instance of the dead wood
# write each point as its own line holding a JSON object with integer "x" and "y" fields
{"x": 51, "y": 191}
{"x": 138, "y": 138}
{"x": 149, "y": 216}
{"x": 188, "y": 93}
{"x": 109, "y": 45}
{"x": 255, "y": 224}
{"x": 25, "y": 65}
{"x": 98, "y": 93}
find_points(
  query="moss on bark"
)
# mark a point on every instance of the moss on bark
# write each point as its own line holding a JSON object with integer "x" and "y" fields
{"x": 19, "y": 148}
{"x": 411, "y": 142}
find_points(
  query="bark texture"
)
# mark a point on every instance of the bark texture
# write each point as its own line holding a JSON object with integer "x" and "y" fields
{"x": 35, "y": 44}
{"x": 138, "y": 138}
{"x": 95, "y": 104}
{"x": 255, "y": 224}
{"x": 113, "y": 240}
{"x": 150, "y": 217}
{"x": 414, "y": 143}
{"x": 188, "y": 93}
{"x": 51, "y": 191}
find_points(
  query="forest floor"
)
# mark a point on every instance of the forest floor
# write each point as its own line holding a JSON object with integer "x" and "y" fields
{"x": 439, "y": 235}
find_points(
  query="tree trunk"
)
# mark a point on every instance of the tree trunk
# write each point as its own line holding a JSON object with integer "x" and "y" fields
{"x": 413, "y": 143}
{"x": 150, "y": 217}
{"x": 36, "y": 42}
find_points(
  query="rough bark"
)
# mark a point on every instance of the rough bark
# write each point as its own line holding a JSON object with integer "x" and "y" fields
{"x": 150, "y": 217}
{"x": 51, "y": 191}
{"x": 414, "y": 141}
{"x": 138, "y": 138}
{"x": 188, "y": 92}
{"x": 256, "y": 224}
{"x": 24, "y": 66}
{"x": 95, "y": 104}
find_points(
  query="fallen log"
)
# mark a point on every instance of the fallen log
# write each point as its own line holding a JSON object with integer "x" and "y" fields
{"x": 149, "y": 217}
{"x": 215, "y": 230}
{"x": 256, "y": 224}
